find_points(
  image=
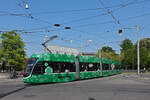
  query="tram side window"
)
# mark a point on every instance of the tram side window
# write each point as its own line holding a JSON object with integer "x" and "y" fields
{"x": 98, "y": 65}
{"x": 89, "y": 66}
{"x": 39, "y": 68}
{"x": 83, "y": 67}
{"x": 117, "y": 67}
{"x": 70, "y": 67}
{"x": 92, "y": 67}
{"x": 61, "y": 67}
{"x": 56, "y": 67}
{"x": 105, "y": 66}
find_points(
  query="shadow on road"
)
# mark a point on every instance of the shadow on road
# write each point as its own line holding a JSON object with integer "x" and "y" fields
{"x": 2, "y": 95}
{"x": 91, "y": 98}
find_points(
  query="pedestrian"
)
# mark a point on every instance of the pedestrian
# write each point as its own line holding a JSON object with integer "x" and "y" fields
{"x": 3, "y": 66}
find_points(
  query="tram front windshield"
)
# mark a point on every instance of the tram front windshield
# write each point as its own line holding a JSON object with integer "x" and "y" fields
{"x": 30, "y": 65}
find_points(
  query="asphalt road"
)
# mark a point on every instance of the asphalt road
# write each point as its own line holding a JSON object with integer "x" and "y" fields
{"x": 119, "y": 87}
{"x": 9, "y": 86}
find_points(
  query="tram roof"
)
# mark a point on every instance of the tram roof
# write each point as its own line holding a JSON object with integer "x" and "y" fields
{"x": 71, "y": 58}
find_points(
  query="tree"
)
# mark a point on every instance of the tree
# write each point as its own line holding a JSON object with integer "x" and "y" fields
{"x": 128, "y": 58}
{"x": 107, "y": 49}
{"x": 144, "y": 58}
{"x": 127, "y": 53}
{"x": 108, "y": 52}
{"x": 13, "y": 49}
{"x": 144, "y": 53}
{"x": 0, "y": 56}
{"x": 148, "y": 62}
{"x": 145, "y": 43}
{"x": 126, "y": 44}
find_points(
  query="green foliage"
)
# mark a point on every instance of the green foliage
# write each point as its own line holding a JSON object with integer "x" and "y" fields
{"x": 108, "y": 52}
{"x": 143, "y": 57}
{"x": 126, "y": 44}
{"x": 107, "y": 49}
{"x": 128, "y": 58}
{"x": 148, "y": 62}
{"x": 129, "y": 54}
{"x": 13, "y": 49}
{"x": 145, "y": 43}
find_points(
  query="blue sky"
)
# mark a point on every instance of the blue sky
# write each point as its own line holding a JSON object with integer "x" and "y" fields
{"x": 85, "y": 17}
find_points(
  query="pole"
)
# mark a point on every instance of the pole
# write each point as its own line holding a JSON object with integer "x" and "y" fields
{"x": 80, "y": 48}
{"x": 138, "y": 51}
{"x": 100, "y": 56}
{"x": 77, "y": 67}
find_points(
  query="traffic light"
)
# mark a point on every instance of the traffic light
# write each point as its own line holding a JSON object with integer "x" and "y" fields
{"x": 57, "y": 25}
{"x": 67, "y": 27}
{"x": 120, "y": 31}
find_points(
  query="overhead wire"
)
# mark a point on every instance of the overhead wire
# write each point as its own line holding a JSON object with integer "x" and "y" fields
{"x": 120, "y": 5}
{"x": 107, "y": 22}
{"x": 48, "y": 23}
{"x": 109, "y": 12}
{"x": 89, "y": 9}
{"x": 103, "y": 14}
{"x": 40, "y": 28}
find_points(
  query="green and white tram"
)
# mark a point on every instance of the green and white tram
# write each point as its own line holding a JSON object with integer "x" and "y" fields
{"x": 48, "y": 68}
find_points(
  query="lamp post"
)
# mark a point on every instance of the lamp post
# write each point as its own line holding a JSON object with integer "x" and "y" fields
{"x": 138, "y": 50}
{"x": 138, "y": 45}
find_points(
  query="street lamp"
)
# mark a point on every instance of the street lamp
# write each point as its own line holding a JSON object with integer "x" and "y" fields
{"x": 70, "y": 41}
{"x": 26, "y": 6}
{"x": 137, "y": 27}
{"x": 90, "y": 41}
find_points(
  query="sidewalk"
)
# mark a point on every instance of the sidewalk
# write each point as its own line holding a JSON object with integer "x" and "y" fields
{"x": 11, "y": 80}
{"x": 144, "y": 77}
{"x": 4, "y": 75}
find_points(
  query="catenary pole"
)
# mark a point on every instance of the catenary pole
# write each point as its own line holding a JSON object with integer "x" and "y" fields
{"x": 138, "y": 50}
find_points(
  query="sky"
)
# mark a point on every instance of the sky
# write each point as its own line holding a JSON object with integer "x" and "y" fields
{"x": 94, "y": 20}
